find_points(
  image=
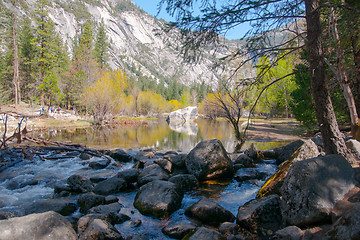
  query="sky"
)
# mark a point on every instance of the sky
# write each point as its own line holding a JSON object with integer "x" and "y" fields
{"x": 151, "y": 7}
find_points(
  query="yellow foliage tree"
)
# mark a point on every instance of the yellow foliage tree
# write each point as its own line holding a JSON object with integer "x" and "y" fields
{"x": 150, "y": 103}
{"x": 106, "y": 96}
{"x": 174, "y": 104}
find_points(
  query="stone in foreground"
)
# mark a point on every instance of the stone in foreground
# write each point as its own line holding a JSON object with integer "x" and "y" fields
{"x": 158, "y": 199}
{"x": 209, "y": 160}
{"x": 312, "y": 187}
{"x": 209, "y": 212}
{"x": 43, "y": 226}
{"x": 259, "y": 214}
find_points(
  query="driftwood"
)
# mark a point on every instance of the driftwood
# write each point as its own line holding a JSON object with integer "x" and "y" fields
{"x": 17, "y": 133}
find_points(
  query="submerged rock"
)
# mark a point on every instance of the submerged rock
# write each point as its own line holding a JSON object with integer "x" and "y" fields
{"x": 158, "y": 199}
{"x": 209, "y": 160}
{"x": 43, "y": 226}
{"x": 209, "y": 212}
{"x": 312, "y": 187}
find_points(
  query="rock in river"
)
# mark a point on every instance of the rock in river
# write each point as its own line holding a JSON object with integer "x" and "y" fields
{"x": 312, "y": 187}
{"x": 209, "y": 160}
{"x": 209, "y": 212}
{"x": 158, "y": 199}
{"x": 43, "y": 226}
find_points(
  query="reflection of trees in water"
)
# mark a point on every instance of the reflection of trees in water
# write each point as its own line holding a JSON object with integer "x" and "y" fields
{"x": 157, "y": 134}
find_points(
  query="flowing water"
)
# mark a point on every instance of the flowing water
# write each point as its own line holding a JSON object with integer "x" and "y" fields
{"x": 29, "y": 181}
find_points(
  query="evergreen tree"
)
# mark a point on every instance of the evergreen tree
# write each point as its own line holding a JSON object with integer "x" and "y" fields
{"x": 101, "y": 46}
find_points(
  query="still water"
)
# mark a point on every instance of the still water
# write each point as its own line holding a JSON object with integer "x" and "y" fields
{"x": 156, "y": 134}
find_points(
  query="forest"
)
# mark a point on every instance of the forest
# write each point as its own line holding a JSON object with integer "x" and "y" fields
{"x": 37, "y": 67}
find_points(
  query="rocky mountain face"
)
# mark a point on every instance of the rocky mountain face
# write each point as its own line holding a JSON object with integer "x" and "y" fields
{"x": 138, "y": 42}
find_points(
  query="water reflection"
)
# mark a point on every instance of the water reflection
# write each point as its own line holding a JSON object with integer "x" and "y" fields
{"x": 156, "y": 134}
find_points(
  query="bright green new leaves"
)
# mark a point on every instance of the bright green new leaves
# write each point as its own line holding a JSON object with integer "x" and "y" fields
{"x": 276, "y": 99}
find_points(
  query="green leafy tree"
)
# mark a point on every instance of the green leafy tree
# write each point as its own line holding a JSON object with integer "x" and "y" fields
{"x": 49, "y": 89}
{"x": 101, "y": 46}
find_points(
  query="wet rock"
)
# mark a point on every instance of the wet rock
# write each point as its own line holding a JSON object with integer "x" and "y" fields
{"x": 120, "y": 155}
{"x": 12, "y": 185}
{"x": 179, "y": 230}
{"x": 261, "y": 214}
{"x": 249, "y": 174}
{"x": 245, "y": 161}
{"x": 79, "y": 184}
{"x": 283, "y": 153}
{"x": 43, "y": 226}
{"x": 111, "y": 199}
{"x": 97, "y": 179}
{"x": 87, "y": 201}
{"x": 129, "y": 175}
{"x": 135, "y": 223}
{"x": 184, "y": 182}
{"x": 100, "y": 229}
{"x": 209, "y": 160}
{"x": 106, "y": 209}
{"x": 111, "y": 186}
{"x": 274, "y": 183}
{"x": 112, "y": 218}
{"x": 101, "y": 164}
{"x": 158, "y": 199}
{"x": 164, "y": 164}
{"x": 228, "y": 228}
{"x": 9, "y": 214}
{"x": 254, "y": 154}
{"x": 289, "y": 233}
{"x": 178, "y": 163}
{"x": 347, "y": 226}
{"x": 312, "y": 187}
{"x": 84, "y": 156}
{"x": 209, "y": 212}
{"x": 144, "y": 155}
{"x": 206, "y": 234}
{"x": 63, "y": 206}
{"x": 152, "y": 173}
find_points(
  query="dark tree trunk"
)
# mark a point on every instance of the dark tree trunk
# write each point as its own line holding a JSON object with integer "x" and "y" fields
{"x": 332, "y": 137}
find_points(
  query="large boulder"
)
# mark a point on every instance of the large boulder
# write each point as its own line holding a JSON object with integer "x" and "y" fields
{"x": 209, "y": 160}
{"x": 354, "y": 146}
{"x": 209, "y": 212}
{"x": 158, "y": 199}
{"x": 283, "y": 153}
{"x": 185, "y": 114}
{"x": 312, "y": 187}
{"x": 42, "y": 226}
{"x": 260, "y": 215}
{"x": 272, "y": 186}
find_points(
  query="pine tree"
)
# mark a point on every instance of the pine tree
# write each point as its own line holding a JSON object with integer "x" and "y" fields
{"x": 101, "y": 46}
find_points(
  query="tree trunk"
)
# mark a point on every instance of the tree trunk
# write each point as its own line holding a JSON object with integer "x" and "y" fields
{"x": 15, "y": 80}
{"x": 334, "y": 143}
{"x": 356, "y": 53}
{"x": 341, "y": 73}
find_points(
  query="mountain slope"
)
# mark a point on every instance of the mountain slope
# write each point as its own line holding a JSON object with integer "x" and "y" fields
{"x": 138, "y": 43}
